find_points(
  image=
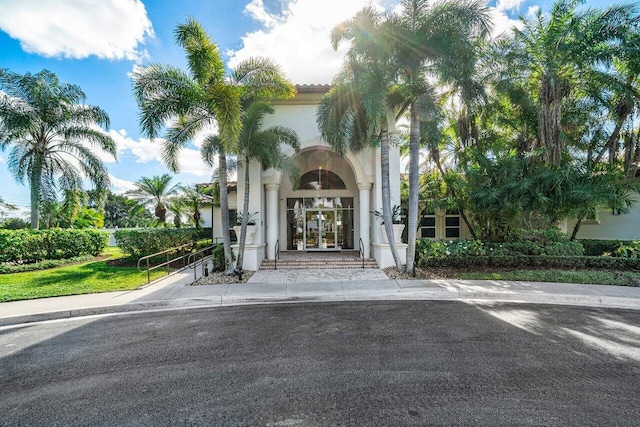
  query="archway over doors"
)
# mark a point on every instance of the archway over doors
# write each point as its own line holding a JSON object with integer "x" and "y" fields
{"x": 319, "y": 213}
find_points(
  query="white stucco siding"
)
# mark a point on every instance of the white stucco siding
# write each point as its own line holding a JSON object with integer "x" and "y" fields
{"x": 205, "y": 213}
{"x": 609, "y": 226}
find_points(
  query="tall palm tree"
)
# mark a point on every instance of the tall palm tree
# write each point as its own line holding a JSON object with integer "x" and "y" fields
{"x": 434, "y": 41}
{"x": 201, "y": 99}
{"x": 154, "y": 192}
{"x": 263, "y": 145}
{"x": 361, "y": 104}
{"x": 560, "y": 53}
{"x": 52, "y": 133}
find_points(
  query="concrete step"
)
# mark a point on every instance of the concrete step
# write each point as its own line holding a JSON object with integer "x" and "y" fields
{"x": 318, "y": 264}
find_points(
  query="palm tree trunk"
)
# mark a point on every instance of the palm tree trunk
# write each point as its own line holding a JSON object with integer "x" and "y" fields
{"x": 386, "y": 196}
{"x": 550, "y": 117}
{"x": 576, "y": 228}
{"x": 414, "y": 160}
{"x": 224, "y": 212}
{"x": 35, "y": 202}
{"x": 245, "y": 217}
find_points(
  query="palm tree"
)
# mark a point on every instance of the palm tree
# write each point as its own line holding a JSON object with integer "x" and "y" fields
{"x": 263, "y": 145}
{"x": 177, "y": 206}
{"x": 562, "y": 53}
{"x": 48, "y": 125}
{"x": 359, "y": 104}
{"x": 154, "y": 192}
{"x": 434, "y": 41}
{"x": 200, "y": 99}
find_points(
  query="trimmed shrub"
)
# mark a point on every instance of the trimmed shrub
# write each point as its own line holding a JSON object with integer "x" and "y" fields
{"x": 29, "y": 246}
{"x": 517, "y": 261}
{"x": 42, "y": 265}
{"x": 218, "y": 258}
{"x": 146, "y": 241}
{"x": 595, "y": 247}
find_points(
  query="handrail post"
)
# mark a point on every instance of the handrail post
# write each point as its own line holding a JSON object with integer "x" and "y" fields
{"x": 148, "y": 272}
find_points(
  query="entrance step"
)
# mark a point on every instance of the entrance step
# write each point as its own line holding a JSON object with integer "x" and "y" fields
{"x": 307, "y": 264}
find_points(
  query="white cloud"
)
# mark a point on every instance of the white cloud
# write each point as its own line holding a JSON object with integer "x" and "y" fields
{"x": 503, "y": 5}
{"x": 299, "y": 39}
{"x": 110, "y": 29}
{"x": 144, "y": 150}
{"x": 533, "y": 11}
{"x": 502, "y": 23}
{"x": 2, "y": 160}
{"x": 256, "y": 10}
{"x": 119, "y": 186}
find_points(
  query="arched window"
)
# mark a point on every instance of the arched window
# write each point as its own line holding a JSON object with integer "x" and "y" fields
{"x": 321, "y": 179}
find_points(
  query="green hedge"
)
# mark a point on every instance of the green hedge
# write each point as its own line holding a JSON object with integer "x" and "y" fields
{"x": 596, "y": 247}
{"x": 42, "y": 265}
{"x": 612, "y": 263}
{"x": 30, "y": 246}
{"x": 140, "y": 242}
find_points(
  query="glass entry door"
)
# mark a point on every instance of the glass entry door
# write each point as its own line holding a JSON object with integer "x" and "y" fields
{"x": 320, "y": 230}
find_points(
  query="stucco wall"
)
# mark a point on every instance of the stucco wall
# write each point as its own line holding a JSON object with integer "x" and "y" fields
{"x": 609, "y": 226}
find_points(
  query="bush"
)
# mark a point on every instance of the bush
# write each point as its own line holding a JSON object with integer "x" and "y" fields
{"x": 146, "y": 241}
{"x": 29, "y": 246}
{"x": 41, "y": 265}
{"x": 218, "y": 258}
{"x": 594, "y": 247}
{"x": 516, "y": 261}
{"x": 628, "y": 250}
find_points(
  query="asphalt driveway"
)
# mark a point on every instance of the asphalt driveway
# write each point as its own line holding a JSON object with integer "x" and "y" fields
{"x": 354, "y": 363}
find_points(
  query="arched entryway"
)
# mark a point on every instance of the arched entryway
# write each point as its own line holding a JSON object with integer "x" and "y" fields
{"x": 321, "y": 208}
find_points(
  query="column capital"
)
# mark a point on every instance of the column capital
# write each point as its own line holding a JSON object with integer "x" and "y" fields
{"x": 272, "y": 186}
{"x": 365, "y": 185}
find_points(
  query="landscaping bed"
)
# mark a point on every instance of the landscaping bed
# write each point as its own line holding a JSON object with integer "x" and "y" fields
{"x": 533, "y": 274}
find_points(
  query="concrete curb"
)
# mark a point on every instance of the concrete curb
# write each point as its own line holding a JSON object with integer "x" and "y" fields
{"x": 236, "y": 300}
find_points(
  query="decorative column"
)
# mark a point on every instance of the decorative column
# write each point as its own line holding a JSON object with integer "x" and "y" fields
{"x": 273, "y": 192}
{"x": 365, "y": 217}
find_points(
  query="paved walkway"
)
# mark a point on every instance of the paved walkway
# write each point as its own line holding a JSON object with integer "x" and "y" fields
{"x": 289, "y": 286}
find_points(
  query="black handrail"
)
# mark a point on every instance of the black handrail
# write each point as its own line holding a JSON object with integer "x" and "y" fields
{"x": 277, "y": 255}
{"x": 362, "y": 251}
{"x": 198, "y": 257}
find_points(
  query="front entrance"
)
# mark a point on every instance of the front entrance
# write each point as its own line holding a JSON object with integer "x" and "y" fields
{"x": 320, "y": 223}
{"x": 321, "y": 231}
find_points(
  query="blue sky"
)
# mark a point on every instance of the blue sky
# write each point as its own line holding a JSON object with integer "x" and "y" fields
{"x": 97, "y": 43}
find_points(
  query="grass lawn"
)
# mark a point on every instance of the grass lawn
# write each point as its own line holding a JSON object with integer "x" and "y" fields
{"x": 599, "y": 277}
{"x": 83, "y": 278}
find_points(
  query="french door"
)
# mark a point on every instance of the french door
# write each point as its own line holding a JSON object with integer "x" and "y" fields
{"x": 320, "y": 229}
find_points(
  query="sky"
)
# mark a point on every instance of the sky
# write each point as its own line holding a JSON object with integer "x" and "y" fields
{"x": 96, "y": 44}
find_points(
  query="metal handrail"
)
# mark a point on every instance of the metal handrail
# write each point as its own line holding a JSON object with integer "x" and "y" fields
{"x": 167, "y": 262}
{"x": 193, "y": 258}
{"x": 277, "y": 255}
{"x": 361, "y": 254}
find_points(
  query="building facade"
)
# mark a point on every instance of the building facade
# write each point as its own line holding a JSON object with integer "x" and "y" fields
{"x": 331, "y": 207}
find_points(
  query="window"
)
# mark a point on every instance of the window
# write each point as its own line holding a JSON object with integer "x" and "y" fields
{"x": 321, "y": 179}
{"x": 452, "y": 226}
{"x": 428, "y": 226}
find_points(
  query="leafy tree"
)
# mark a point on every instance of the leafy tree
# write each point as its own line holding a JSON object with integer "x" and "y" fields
{"x": 48, "y": 127}
{"x": 357, "y": 108}
{"x": 561, "y": 53}
{"x": 435, "y": 41}
{"x": 262, "y": 145}
{"x": 200, "y": 99}
{"x": 122, "y": 212}
{"x": 154, "y": 192}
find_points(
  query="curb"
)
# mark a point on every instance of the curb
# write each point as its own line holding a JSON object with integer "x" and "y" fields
{"x": 230, "y": 301}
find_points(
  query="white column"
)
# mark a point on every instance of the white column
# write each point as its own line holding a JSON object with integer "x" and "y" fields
{"x": 365, "y": 223}
{"x": 272, "y": 218}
